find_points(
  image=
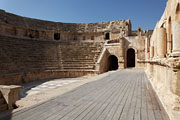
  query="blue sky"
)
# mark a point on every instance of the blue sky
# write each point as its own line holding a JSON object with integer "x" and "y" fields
{"x": 143, "y": 13}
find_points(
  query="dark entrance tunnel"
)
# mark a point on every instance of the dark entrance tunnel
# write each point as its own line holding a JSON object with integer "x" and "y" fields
{"x": 112, "y": 63}
{"x": 130, "y": 58}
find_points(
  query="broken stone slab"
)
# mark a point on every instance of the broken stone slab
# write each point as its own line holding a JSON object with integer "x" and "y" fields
{"x": 10, "y": 94}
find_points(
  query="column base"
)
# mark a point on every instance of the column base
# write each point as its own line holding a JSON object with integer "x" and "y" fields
{"x": 175, "y": 54}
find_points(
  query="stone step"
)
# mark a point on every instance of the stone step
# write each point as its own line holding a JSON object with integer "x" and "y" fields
{"x": 78, "y": 65}
{"x": 80, "y": 49}
{"x": 51, "y": 68}
{"x": 51, "y": 65}
{"x": 80, "y": 58}
{"x": 81, "y": 43}
{"x": 69, "y": 67}
{"x": 77, "y": 61}
{"x": 81, "y": 54}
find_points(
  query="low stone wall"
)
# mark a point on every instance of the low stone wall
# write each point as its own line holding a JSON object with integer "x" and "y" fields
{"x": 102, "y": 63}
{"x": 166, "y": 82}
{"x": 11, "y": 79}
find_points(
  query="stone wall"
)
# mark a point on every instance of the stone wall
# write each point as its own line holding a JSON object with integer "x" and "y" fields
{"x": 25, "y": 60}
{"x": 33, "y": 49}
{"x": 137, "y": 41}
{"x": 14, "y": 25}
{"x": 163, "y": 58}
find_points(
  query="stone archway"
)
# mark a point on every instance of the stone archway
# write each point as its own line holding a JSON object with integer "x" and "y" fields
{"x": 112, "y": 63}
{"x": 131, "y": 61}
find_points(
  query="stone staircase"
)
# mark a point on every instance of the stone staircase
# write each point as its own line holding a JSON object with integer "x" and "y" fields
{"x": 3, "y": 105}
{"x": 80, "y": 55}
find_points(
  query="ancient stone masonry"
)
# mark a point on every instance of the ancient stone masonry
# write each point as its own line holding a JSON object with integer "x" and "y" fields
{"x": 32, "y": 49}
{"x": 163, "y": 63}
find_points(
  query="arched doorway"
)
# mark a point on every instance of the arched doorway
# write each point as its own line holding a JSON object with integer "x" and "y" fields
{"x": 130, "y": 58}
{"x": 107, "y": 36}
{"x": 112, "y": 63}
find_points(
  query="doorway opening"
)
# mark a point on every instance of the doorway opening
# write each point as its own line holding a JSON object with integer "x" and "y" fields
{"x": 112, "y": 63}
{"x": 130, "y": 58}
{"x": 107, "y": 36}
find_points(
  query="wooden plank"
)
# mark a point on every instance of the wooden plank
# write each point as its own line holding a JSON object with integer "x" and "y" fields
{"x": 85, "y": 113}
{"x": 114, "y": 102}
{"x": 121, "y": 106}
{"x": 73, "y": 114}
{"x": 72, "y": 107}
{"x": 101, "y": 103}
{"x": 109, "y": 102}
{"x": 137, "y": 112}
{"x": 144, "y": 114}
{"x": 132, "y": 107}
{"x": 115, "y": 106}
{"x": 36, "y": 111}
{"x": 125, "y": 95}
{"x": 126, "y": 108}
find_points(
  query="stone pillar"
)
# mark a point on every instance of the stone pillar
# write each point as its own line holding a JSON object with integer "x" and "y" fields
{"x": 50, "y": 34}
{"x": 169, "y": 38}
{"x": 176, "y": 38}
{"x": 155, "y": 43}
{"x": 161, "y": 42}
{"x": 151, "y": 51}
{"x": 122, "y": 47}
{"x": 121, "y": 50}
{"x": 175, "y": 86}
{"x": 147, "y": 49}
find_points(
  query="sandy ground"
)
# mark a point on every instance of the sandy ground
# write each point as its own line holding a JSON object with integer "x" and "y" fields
{"x": 34, "y": 99}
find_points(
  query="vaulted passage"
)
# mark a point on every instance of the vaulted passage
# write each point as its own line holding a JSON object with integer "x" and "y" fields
{"x": 112, "y": 63}
{"x": 131, "y": 58}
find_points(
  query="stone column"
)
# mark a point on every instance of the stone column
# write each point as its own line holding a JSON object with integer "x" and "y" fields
{"x": 121, "y": 50}
{"x": 161, "y": 42}
{"x": 155, "y": 43}
{"x": 147, "y": 48}
{"x": 169, "y": 38}
{"x": 151, "y": 51}
{"x": 176, "y": 38}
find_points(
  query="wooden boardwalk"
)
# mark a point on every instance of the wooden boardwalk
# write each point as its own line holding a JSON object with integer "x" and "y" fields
{"x": 122, "y": 95}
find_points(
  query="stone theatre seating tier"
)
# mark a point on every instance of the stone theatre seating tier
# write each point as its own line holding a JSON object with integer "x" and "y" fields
{"x": 6, "y": 64}
{"x": 23, "y": 55}
{"x": 80, "y": 55}
{"x": 25, "y": 60}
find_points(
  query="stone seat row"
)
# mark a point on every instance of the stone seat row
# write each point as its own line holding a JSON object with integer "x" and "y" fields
{"x": 28, "y": 55}
{"x": 80, "y": 55}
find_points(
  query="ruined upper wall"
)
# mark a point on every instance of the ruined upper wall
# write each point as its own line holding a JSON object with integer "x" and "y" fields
{"x": 35, "y": 24}
{"x": 171, "y": 13}
{"x": 170, "y": 17}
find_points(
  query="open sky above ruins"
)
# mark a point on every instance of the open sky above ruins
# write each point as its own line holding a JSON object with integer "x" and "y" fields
{"x": 143, "y": 13}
